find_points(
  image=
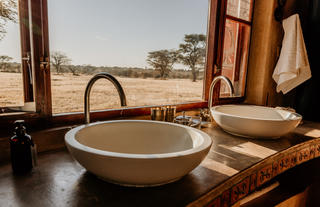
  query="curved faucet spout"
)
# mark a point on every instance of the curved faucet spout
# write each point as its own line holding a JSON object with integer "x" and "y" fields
{"x": 213, "y": 84}
{"x": 98, "y": 76}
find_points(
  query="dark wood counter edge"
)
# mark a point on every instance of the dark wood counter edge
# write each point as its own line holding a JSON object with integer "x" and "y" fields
{"x": 247, "y": 181}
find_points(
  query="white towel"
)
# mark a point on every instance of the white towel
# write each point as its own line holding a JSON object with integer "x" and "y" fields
{"x": 293, "y": 65}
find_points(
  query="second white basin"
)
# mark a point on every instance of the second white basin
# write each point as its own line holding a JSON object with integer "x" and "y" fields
{"x": 136, "y": 152}
{"x": 255, "y": 121}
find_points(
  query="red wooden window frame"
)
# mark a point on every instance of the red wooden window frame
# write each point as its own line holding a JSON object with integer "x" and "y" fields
{"x": 26, "y": 63}
{"x": 218, "y": 59}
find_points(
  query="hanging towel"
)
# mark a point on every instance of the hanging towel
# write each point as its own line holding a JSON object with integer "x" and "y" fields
{"x": 293, "y": 66}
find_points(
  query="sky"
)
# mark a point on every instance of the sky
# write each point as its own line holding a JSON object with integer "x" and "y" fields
{"x": 115, "y": 32}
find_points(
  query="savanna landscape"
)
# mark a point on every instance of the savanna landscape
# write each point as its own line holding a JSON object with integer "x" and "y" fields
{"x": 168, "y": 74}
{"x": 68, "y": 91}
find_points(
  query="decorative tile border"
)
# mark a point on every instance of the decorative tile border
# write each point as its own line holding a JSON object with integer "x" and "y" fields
{"x": 253, "y": 182}
{"x": 215, "y": 203}
{"x": 222, "y": 201}
{"x": 284, "y": 164}
{"x": 293, "y": 159}
{"x": 303, "y": 155}
{"x": 265, "y": 174}
{"x": 240, "y": 190}
{"x": 312, "y": 151}
{"x": 225, "y": 198}
{"x": 275, "y": 168}
{"x": 317, "y": 150}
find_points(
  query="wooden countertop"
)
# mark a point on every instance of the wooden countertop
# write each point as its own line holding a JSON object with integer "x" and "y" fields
{"x": 234, "y": 168}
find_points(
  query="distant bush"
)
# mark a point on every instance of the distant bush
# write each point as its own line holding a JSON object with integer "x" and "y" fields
{"x": 11, "y": 68}
{"x": 125, "y": 72}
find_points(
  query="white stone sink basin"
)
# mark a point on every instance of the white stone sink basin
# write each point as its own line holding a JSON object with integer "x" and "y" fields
{"x": 255, "y": 121}
{"x": 136, "y": 152}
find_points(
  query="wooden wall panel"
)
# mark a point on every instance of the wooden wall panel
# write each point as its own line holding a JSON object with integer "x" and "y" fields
{"x": 265, "y": 46}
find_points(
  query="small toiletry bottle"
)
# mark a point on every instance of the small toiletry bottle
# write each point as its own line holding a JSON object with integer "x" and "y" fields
{"x": 170, "y": 113}
{"x": 158, "y": 113}
{"x": 22, "y": 149}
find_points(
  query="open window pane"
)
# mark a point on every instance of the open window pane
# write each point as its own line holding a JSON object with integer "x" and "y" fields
{"x": 11, "y": 87}
{"x": 136, "y": 41}
{"x": 235, "y": 56}
{"x": 240, "y": 9}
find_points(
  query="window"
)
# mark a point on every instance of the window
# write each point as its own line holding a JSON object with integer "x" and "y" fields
{"x": 236, "y": 45}
{"x": 147, "y": 45}
{"x": 46, "y": 83}
{"x": 12, "y": 81}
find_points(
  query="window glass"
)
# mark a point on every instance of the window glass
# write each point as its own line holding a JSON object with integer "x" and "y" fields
{"x": 155, "y": 48}
{"x": 240, "y": 9}
{"x": 11, "y": 87}
{"x": 235, "y": 56}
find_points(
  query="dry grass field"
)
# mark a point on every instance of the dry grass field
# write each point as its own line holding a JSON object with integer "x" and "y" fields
{"x": 68, "y": 92}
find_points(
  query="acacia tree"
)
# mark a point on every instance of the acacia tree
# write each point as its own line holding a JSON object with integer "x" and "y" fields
{"x": 163, "y": 61}
{"x": 73, "y": 69}
{"x": 192, "y": 53}
{"x": 8, "y": 12}
{"x": 4, "y": 62}
{"x": 59, "y": 59}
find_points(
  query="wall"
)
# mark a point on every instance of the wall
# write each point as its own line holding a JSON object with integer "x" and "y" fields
{"x": 46, "y": 140}
{"x": 307, "y": 102}
{"x": 266, "y": 40}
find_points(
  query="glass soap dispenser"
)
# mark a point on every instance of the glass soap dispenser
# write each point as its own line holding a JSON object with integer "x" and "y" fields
{"x": 22, "y": 148}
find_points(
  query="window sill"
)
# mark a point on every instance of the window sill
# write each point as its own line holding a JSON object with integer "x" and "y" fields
{"x": 36, "y": 122}
{"x": 17, "y": 114}
{"x": 78, "y": 117}
{"x": 56, "y": 120}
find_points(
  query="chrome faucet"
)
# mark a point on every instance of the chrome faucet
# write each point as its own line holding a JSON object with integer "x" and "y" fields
{"x": 213, "y": 84}
{"x": 98, "y": 76}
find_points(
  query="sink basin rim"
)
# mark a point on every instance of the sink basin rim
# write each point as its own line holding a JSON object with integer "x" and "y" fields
{"x": 70, "y": 139}
{"x": 214, "y": 110}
